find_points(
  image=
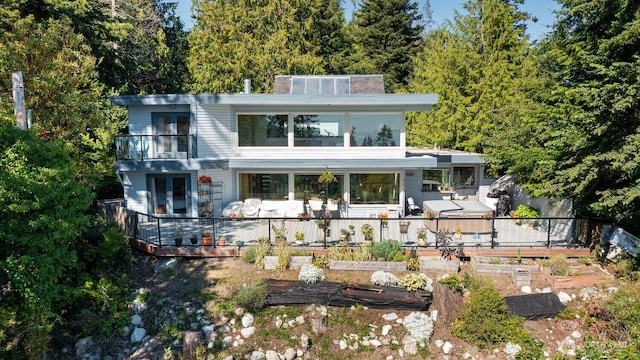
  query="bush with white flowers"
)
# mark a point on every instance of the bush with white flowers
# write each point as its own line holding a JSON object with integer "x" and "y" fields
{"x": 384, "y": 279}
{"x": 420, "y": 326}
{"x": 512, "y": 350}
{"x": 310, "y": 274}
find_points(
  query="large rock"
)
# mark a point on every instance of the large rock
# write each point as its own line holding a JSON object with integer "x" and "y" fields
{"x": 165, "y": 264}
{"x": 138, "y": 334}
{"x": 247, "y": 320}
{"x": 190, "y": 342}
{"x": 83, "y": 345}
{"x": 503, "y": 186}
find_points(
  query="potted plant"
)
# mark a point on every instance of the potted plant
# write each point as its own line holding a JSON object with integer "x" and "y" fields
{"x": 404, "y": 226}
{"x": 299, "y": 237}
{"x": 222, "y": 241}
{"x": 207, "y": 238}
{"x": 422, "y": 236}
{"x": 193, "y": 238}
{"x": 458, "y": 235}
{"x": 352, "y": 230}
{"x": 345, "y": 235}
{"x": 367, "y": 232}
{"x": 178, "y": 234}
{"x": 384, "y": 219}
{"x": 327, "y": 177}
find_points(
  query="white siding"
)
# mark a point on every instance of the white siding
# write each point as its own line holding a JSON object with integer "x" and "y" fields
{"x": 135, "y": 191}
{"x": 216, "y": 132}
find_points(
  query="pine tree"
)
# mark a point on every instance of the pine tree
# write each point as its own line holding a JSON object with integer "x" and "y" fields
{"x": 387, "y": 34}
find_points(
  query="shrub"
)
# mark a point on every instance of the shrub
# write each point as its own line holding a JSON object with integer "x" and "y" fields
{"x": 526, "y": 211}
{"x": 249, "y": 254}
{"x": 414, "y": 282}
{"x": 384, "y": 279}
{"x": 485, "y": 320}
{"x": 387, "y": 249}
{"x": 321, "y": 262}
{"x": 252, "y": 296}
{"x": 310, "y": 274}
{"x": 262, "y": 249}
{"x": 559, "y": 265}
{"x": 283, "y": 252}
{"x": 413, "y": 264}
{"x": 419, "y": 326}
{"x": 453, "y": 282}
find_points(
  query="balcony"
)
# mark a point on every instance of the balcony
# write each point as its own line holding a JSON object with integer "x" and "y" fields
{"x": 143, "y": 147}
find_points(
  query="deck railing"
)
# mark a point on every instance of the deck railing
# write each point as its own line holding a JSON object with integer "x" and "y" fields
{"x": 141, "y": 147}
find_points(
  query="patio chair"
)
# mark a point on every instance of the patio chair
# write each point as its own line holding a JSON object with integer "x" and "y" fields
{"x": 412, "y": 208}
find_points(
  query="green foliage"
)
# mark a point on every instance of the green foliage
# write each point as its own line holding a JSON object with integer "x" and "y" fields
{"x": 485, "y": 320}
{"x": 321, "y": 262}
{"x": 342, "y": 253}
{"x": 526, "y": 211}
{"x": 261, "y": 250}
{"x": 622, "y": 311}
{"x": 387, "y": 250}
{"x": 413, "y": 264}
{"x": 283, "y": 252}
{"x": 413, "y": 282}
{"x": 249, "y": 254}
{"x": 252, "y": 296}
{"x": 559, "y": 265}
{"x": 568, "y": 313}
{"x": 628, "y": 268}
{"x": 454, "y": 282}
{"x": 593, "y": 349}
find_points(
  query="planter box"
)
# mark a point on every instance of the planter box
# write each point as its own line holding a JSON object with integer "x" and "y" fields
{"x": 296, "y": 262}
{"x": 521, "y": 277}
{"x": 481, "y": 265}
{"x": 434, "y": 264}
{"x": 367, "y": 265}
{"x": 591, "y": 276}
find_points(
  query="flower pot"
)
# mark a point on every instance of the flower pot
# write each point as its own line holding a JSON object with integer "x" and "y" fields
{"x": 404, "y": 228}
{"x": 193, "y": 239}
{"x": 222, "y": 242}
{"x": 422, "y": 242}
{"x": 207, "y": 240}
{"x": 178, "y": 241}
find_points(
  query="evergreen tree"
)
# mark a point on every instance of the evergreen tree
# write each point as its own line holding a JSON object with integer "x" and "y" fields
{"x": 479, "y": 66}
{"x": 594, "y": 129}
{"x": 328, "y": 35}
{"x": 387, "y": 35}
{"x": 248, "y": 39}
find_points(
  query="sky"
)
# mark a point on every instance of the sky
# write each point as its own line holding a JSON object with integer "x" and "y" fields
{"x": 442, "y": 9}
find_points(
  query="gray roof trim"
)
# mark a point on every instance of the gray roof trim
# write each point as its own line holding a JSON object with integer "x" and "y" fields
{"x": 410, "y": 102}
{"x": 312, "y": 164}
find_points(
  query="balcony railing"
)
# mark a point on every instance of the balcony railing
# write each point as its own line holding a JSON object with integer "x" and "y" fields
{"x": 141, "y": 147}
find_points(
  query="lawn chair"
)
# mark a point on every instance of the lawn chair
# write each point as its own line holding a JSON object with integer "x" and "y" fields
{"x": 412, "y": 208}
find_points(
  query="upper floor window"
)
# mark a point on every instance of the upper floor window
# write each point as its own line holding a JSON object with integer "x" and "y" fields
{"x": 319, "y": 130}
{"x": 375, "y": 129}
{"x": 172, "y": 134}
{"x": 263, "y": 130}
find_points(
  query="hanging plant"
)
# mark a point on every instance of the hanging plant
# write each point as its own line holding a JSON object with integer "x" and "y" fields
{"x": 327, "y": 177}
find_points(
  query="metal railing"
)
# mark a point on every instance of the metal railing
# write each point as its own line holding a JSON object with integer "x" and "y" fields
{"x": 141, "y": 147}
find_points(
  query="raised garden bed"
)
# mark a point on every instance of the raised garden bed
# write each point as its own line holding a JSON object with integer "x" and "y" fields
{"x": 482, "y": 264}
{"x": 521, "y": 277}
{"x": 436, "y": 264}
{"x": 296, "y": 262}
{"x": 581, "y": 276}
{"x": 367, "y": 265}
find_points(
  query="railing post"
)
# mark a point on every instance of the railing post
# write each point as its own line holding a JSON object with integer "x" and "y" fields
{"x": 493, "y": 232}
{"x": 159, "y": 236}
{"x": 548, "y": 233}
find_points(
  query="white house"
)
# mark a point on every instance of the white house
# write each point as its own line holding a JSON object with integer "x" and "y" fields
{"x": 273, "y": 147}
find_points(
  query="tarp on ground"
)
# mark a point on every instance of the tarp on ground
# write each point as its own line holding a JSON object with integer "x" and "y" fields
{"x": 535, "y": 306}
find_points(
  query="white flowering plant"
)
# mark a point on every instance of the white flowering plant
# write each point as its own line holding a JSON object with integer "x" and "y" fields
{"x": 384, "y": 279}
{"x": 419, "y": 326}
{"x": 311, "y": 274}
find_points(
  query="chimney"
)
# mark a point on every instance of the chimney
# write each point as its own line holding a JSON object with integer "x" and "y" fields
{"x": 247, "y": 86}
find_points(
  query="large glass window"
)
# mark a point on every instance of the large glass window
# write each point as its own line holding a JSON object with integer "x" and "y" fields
{"x": 169, "y": 194}
{"x": 172, "y": 134}
{"x": 307, "y": 184}
{"x": 319, "y": 130}
{"x": 374, "y": 188}
{"x": 263, "y": 130}
{"x": 375, "y": 130}
{"x": 464, "y": 175}
{"x": 264, "y": 186}
{"x": 435, "y": 179}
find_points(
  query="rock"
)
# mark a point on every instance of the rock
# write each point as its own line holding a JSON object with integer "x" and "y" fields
{"x": 299, "y": 353}
{"x": 547, "y": 290}
{"x": 83, "y": 345}
{"x": 271, "y": 355}
{"x": 526, "y": 289}
{"x": 466, "y": 355}
{"x": 257, "y": 355}
{"x": 138, "y": 306}
{"x": 289, "y": 354}
{"x": 564, "y": 297}
{"x": 343, "y": 344}
{"x": 136, "y": 320}
{"x": 165, "y": 264}
{"x": 207, "y": 329}
{"x": 439, "y": 343}
{"x": 304, "y": 342}
{"x": 279, "y": 323}
{"x": 126, "y": 330}
{"x": 239, "y": 311}
{"x": 138, "y": 334}
{"x": 447, "y": 347}
{"x": 375, "y": 342}
{"x": 386, "y": 329}
{"x": 226, "y": 342}
{"x": 434, "y": 315}
{"x": 576, "y": 334}
{"x": 224, "y": 329}
{"x": 390, "y": 316}
{"x": 300, "y": 319}
{"x": 589, "y": 293}
{"x": 247, "y": 320}
{"x": 248, "y": 331}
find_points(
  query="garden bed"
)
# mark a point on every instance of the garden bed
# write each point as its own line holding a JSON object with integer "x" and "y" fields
{"x": 436, "y": 264}
{"x": 581, "y": 276}
{"x": 367, "y": 265}
{"x": 483, "y": 264}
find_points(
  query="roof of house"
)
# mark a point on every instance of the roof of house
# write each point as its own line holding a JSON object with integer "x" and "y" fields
{"x": 353, "y": 84}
